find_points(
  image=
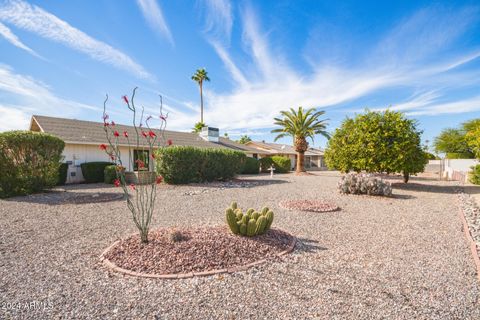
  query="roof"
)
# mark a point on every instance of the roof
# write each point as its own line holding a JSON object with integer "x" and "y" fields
{"x": 278, "y": 148}
{"x": 88, "y": 132}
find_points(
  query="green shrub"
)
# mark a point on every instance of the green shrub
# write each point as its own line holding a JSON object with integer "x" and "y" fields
{"x": 181, "y": 164}
{"x": 29, "y": 162}
{"x": 281, "y": 164}
{"x": 252, "y": 166}
{"x": 474, "y": 175}
{"x": 265, "y": 163}
{"x": 459, "y": 155}
{"x": 62, "y": 174}
{"x": 110, "y": 173}
{"x": 94, "y": 171}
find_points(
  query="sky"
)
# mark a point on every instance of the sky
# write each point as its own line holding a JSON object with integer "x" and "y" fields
{"x": 60, "y": 58}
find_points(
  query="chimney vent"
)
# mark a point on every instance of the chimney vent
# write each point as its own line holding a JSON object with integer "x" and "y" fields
{"x": 210, "y": 134}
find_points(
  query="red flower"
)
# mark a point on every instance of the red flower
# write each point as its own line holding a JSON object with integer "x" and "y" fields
{"x": 151, "y": 134}
{"x": 153, "y": 156}
{"x": 125, "y": 134}
{"x": 116, "y": 134}
{"x": 125, "y": 98}
{"x": 132, "y": 186}
{"x": 169, "y": 142}
{"x": 106, "y": 124}
{"x": 140, "y": 163}
{"x": 144, "y": 134}
{"x": 112, "y": 157}
{"x": 103, "y": 146}
{"x": 159, "y": 179}
{"x": 113, "y": 123}
{"x": 116, "y": 183}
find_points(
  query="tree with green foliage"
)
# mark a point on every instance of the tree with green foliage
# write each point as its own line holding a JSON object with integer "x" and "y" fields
{"x": 301, "y": 124}
{"x": 244, "y": 139}
{"x": 198, "y": 127}
{"x": 199, "y": 77}
{"x": 377, "y": 142}
{"x": 453, "y": 143}
{"x": 472, "y": 135}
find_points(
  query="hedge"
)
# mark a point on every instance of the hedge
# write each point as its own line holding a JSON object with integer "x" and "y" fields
{"x": 62, "y": 174}
{"x": 110, "y": 173}
{"x": 181, "y": 164}
{"x": 266, "y": 163}
{"x": 29, "y": 162}
{"x": 281, "y": 164}
{"x": 474, "y": 175}
{"x": 252, "y": 166}
{"x": 94, "y": 171}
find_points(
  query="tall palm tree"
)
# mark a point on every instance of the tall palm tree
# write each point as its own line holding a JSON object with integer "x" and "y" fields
{"x": 199, "y": 76}
{"x": 300, "y": 125}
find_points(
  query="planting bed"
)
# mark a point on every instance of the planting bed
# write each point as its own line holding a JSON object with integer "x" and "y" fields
{"x": 202, "y": 251}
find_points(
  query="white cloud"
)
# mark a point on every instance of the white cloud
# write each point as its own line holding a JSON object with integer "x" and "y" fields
{"x": 154, "y": 16}
{"x": 34, "y": 19}
{"x": 218, "y": 18}
{"x": 275, "y": 85}
{"x": 27, "y": 96}
{"x": 13, "y": 39}
{"x": 461, "y": 106}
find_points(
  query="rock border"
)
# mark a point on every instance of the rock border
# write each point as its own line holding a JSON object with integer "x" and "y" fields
{"x": 113, "y": 267}
{"x": 468, "y": 236}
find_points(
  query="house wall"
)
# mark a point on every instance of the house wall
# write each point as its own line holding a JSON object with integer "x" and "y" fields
{"x": 76, "y": 154}
{"x": 457, "y": 169}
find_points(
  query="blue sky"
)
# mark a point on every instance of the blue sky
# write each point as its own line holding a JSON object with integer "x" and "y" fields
{"x": 59, "y": 58}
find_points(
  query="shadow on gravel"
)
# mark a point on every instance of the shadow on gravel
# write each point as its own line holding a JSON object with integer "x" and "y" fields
{"x": 308, "y": 245}
{"x": 421, "y": 187}
{"x": 402, "y": 196}
{"x": 238, "y": 183}
{"x": 71, "y": 197}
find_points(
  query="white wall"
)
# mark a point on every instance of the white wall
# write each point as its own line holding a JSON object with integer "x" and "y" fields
{"x": 454, "y": 168}
{"x": 80, "y": 153}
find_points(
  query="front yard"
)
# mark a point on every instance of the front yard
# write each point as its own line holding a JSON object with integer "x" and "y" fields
{"x": 399, "y": 257}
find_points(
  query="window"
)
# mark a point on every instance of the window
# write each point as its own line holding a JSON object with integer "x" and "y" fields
{"x": 139, "y": 157}
{"x": 255, "y": 155}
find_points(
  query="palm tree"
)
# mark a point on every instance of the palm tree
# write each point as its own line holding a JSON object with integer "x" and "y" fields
{"x": 300, "y": 125}
{"x": 199, "y": 76}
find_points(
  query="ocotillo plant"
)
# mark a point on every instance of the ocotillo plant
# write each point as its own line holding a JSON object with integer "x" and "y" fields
{"x": 140, "y": 197}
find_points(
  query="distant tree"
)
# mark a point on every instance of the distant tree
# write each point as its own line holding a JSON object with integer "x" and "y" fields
{"x": 225, "y": 135}
{"x": 244, "y": 139}
{"x": 472, "y": 135}
{"x": 198, "y": 127}
{"x": 453, "y": 141}
{"x": 199, "y": 77}
{"x": 377, "y": 142}
{"x": 301, "y": 124}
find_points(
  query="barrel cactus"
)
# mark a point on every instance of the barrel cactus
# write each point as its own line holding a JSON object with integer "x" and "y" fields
{"x": 250, "y": 223}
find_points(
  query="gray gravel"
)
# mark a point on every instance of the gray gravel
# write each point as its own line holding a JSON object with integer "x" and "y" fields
{"x": 471, "y": 211}
{"x": 397, "y": 258}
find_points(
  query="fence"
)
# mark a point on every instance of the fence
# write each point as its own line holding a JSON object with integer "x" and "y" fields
{"x": 454, "y": 169}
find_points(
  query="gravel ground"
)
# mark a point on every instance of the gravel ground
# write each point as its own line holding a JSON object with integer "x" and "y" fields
{"x": 471, "y": 211}
{"x": 403, "y": 257}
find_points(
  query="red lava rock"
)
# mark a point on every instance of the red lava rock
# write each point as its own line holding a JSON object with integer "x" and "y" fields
{"x": 309, "y": 205}
{"x": 206, "y": 249}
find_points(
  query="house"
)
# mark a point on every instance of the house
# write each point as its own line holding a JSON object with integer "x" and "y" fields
{"x": 314, "y": 159}
{"x": 82, "y": 140}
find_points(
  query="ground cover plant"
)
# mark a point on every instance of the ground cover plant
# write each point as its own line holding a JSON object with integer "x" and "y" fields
{"x": 29, "y": 162}
{"x": 251, "y": 223}
{"x": 361, "y": 183}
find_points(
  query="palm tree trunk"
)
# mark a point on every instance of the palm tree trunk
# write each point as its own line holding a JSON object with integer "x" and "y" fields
{"x": 201, "y": 103}
{"x": 300, "y": 162}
